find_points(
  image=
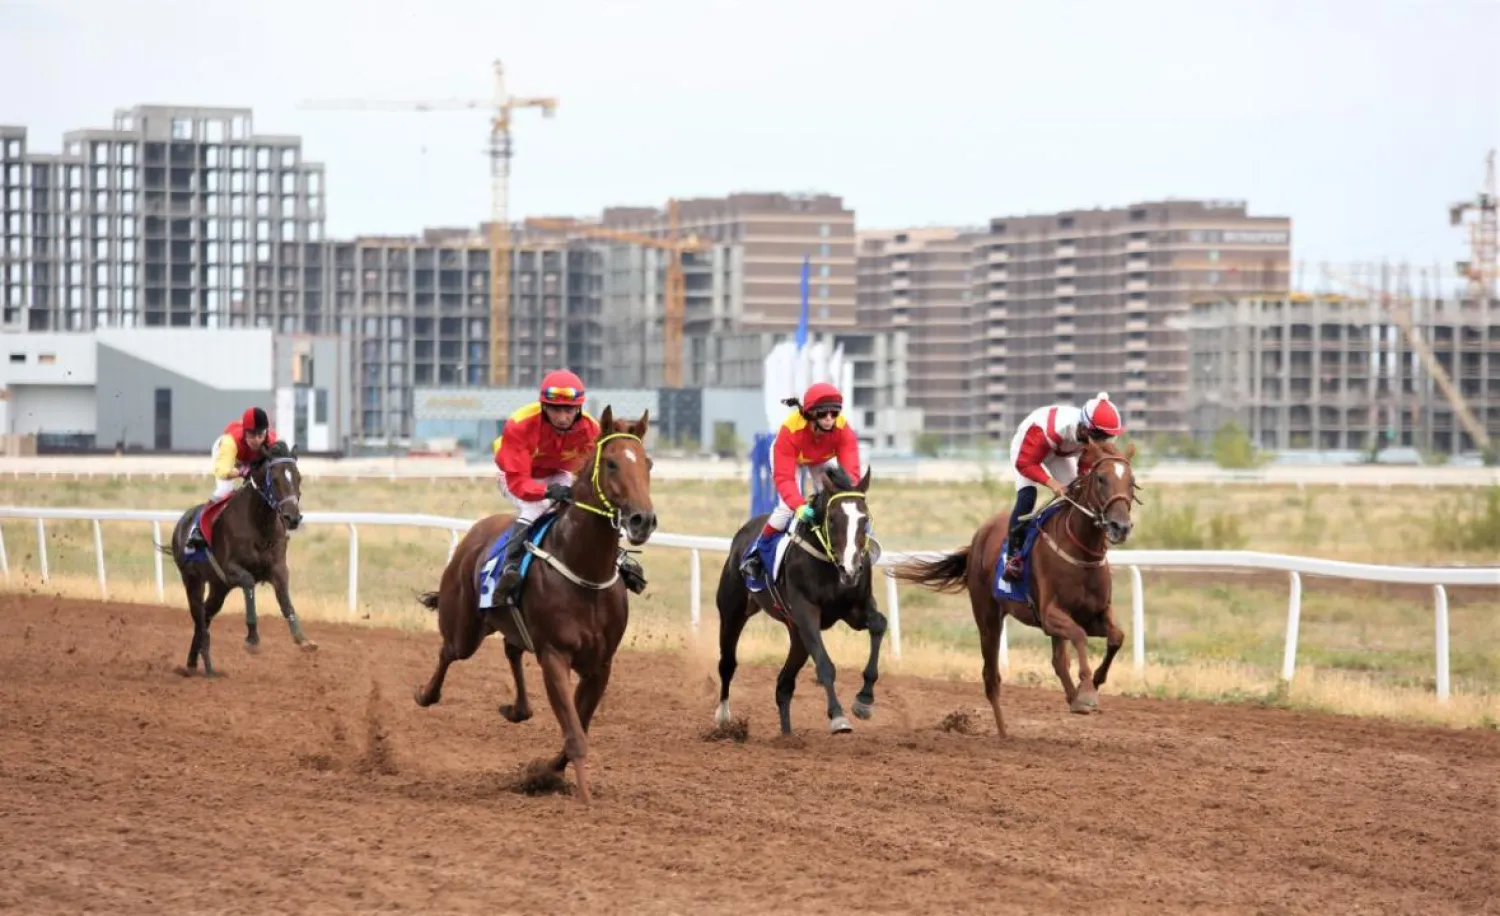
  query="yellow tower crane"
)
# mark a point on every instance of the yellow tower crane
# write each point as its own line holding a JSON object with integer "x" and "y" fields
{"x": 674, "y": 297}
{"x": 500, "y": 106}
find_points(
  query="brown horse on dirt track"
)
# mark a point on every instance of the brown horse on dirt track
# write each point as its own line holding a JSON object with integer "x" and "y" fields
{"x": 575, "y": 607}
{"x": 1070, "y": 578}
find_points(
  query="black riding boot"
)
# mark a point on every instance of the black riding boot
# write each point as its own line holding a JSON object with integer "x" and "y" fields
{"x": 632, "y": 573}
{"x": 1013, "y": 554}
{"x": 510, "y": 571}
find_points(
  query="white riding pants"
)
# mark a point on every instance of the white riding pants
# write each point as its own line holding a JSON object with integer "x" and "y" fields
{"x": 781, "y": 516}
{"x": 530, "y": 511}
{"x": 1063, "y": 468}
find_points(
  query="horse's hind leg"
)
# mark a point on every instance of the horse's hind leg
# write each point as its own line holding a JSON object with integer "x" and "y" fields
{"x": 731, "y": 624}
{"x": 786, "y": 681}
{"x": 194, "y": 589}
{"x": 991, "y": 622}
{"x": 426, "y": 696}
{"x": 519, "y": 711}
{"x": 575, "y": 741}
{"x": 865, "y": 699}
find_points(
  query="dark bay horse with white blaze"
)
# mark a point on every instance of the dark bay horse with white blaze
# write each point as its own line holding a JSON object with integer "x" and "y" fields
{"x": 248, "y": 546}
{"x": 1070, "y": 593}
{"x": 825, "y": 577}
{"x": 574, "y": 606}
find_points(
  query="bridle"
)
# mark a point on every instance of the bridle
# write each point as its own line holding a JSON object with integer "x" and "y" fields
{"x": 270, "y": 493}
{"x": 606, "y": 508}
{"x": 824, "y": 533}
{"x": 1095, "y": 514}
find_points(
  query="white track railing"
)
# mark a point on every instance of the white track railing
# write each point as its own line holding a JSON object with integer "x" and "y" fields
{"x": 1133, "y": 560}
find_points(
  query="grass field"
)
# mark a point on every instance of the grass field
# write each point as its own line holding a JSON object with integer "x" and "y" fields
{"x": 1364, "y": 648}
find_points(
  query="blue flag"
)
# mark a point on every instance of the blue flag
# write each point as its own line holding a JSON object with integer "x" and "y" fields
{"x": 802, "y": 320}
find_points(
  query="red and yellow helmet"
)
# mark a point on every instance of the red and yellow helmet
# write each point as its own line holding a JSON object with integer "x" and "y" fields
{"x": 562, "y": 389}
{"x": 821, "y": 395}
{"x": 255, "y": 420}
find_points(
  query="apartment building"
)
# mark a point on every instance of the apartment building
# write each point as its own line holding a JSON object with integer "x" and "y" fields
{"x": 920, "y": 281}
{"x": 1331, "y": 373}
{"x": 175, "y": 216}
{"x": 419, "y": 310}
{"x": 1097, "y": 300}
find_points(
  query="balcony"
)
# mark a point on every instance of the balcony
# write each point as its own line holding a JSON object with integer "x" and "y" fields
{"x": 1137, "y": 284}
{"x": 999, "y": 274}
{"x": 1000, "y": 256}
{"x": 1065, "y": 270}
{"x": 1136, "y": 244}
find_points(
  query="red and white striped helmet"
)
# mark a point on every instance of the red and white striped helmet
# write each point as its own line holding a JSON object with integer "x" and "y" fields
{"x": 1101, "y": 414}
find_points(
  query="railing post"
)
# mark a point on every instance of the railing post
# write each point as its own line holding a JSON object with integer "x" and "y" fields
{"x": 99, "y": 559}
{"x": 161, "y": 585}
{"x": 1004, "y": 645}
{"x": 41, "y": 546}
{"x": 1293, "y": 620}
{"x": 695, "y": 587}
{"x": 452, "y": 543}
{"x": 4, "y": 560}
{"x": 893, "y": 614}
{"x": 1440, "y": 621}
{"x": 353, "y": 568}
{"x": 1137, "y": 621}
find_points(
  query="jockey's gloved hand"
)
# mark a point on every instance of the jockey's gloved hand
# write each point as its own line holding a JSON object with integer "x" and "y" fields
{"x": 804, "y": 513}
{"x": 559, "y": 492}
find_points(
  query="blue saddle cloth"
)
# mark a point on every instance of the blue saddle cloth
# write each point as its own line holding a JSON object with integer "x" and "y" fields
{"x": 767, "y": 561}
{"x": 489, "y": 570}
{"x": 1021, "y": 591}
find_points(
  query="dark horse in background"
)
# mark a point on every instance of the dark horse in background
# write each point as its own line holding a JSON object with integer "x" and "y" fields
{"x": 573, "y": 607}
{"x": 247, "y": 545}
{"x": 1069, "y": 597}
{"x": 825, "y": 577}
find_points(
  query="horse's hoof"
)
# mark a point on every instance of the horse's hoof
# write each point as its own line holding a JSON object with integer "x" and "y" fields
{"x": 1084, "y": 704}
{"x": 514, "y": 715}
{"x": 185, "y": 671}
{"x": 863, "y": 710}
{"x": 721, "y": 715}
{"x": 309, "y": 646}
{"x": 839, "y": 725}
{"x": 253, "y": 647}
{"x": 420, "y": 696}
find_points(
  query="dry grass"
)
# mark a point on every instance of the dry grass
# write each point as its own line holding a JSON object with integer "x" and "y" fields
{"x": 1363, "y": 649}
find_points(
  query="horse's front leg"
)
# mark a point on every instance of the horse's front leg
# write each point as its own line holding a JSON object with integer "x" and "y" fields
{"x": 591, "y": 686}
{"x": 1085, "y": 697}
{"x": 864, "y": 701}
{"x": 808, "y": 618}
{"x": 1114, "y": 638}
{"x": 555, "y": 667}
{"x": 281, "y": 582}
{"x": 520, "y": 710}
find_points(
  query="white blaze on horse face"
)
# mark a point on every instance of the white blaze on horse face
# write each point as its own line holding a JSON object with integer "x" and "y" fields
{"x": 631, "y": 455}
{"x": 853, "y": 515}
{"x": 1119, "y": 470}
{"x": 288, "y": 473}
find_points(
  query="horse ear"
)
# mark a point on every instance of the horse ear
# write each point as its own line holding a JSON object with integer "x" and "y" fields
{"x": 825, "y": 481}
{"x": 607, "y": 420}
{"x": 864, "y": 482}
{"x": 642, "y": 425}
{"x": 1130, "y": 452}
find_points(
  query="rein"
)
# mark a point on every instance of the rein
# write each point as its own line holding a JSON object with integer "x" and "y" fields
{"x": 824, "y": 535}
{"x": 1096, "y": 558}
{"x": 606, "y": 510}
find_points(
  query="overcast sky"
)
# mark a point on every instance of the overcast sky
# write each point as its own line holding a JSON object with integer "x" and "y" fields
{"x": 1362, "y": 120}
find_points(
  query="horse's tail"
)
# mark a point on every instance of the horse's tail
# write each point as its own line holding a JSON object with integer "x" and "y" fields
{"x": 428, "y": 600}
{"x": 945, "y": 574}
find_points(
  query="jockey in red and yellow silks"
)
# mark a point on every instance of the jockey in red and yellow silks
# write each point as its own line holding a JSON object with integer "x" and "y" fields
{"x": 239, "y": 444}
{"x": 814, "y": 435}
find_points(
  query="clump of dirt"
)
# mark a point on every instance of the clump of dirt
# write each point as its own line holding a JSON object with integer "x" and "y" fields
{"x": 538, "y": 778}
{"x": 960, "y": 721}
{"x": 379, "y": 756}
{"x": 736, "y": 730}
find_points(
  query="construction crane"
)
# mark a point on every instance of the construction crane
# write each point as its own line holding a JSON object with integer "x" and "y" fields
{"x": 1396, "y": 308}
{"x": 500, "y": 151}
{"x": 1483, "y": 265}
{"x": 674, "y": 297}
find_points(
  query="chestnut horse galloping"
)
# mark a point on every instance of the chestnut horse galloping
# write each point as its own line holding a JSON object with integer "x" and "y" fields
{"x": 573, "y": 605}
{"x": 1069, "y": 598}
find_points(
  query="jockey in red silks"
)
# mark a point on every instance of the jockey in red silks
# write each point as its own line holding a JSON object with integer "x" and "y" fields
{"x": 814, "y": 435}
{"x": 233, "y": 451}
{"x": 1045, "y": 451}
{"x": 539, "y": 452}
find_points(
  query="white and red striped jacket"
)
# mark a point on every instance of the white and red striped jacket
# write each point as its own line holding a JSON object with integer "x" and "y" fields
{"x": 1048, "y": 431}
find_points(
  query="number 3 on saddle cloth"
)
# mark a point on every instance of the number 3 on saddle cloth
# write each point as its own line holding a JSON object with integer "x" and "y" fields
{"x": 1021, "y": 591}
{"x": 489, "y": 571}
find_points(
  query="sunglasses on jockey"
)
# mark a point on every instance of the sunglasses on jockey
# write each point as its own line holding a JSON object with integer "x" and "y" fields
{"x": 819, "y": 412}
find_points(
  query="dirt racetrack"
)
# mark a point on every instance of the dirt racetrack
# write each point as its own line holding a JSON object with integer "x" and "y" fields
{"x": 311, "y": 783}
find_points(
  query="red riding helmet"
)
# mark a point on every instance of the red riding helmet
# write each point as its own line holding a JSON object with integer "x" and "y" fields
{"x": 563, "y": 389}
{"x": 255, "y": 420}
{"x": 821, "y": 394}
{"x": 1103, "y": 416}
